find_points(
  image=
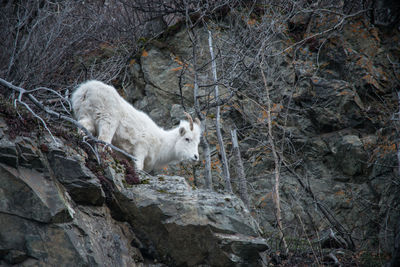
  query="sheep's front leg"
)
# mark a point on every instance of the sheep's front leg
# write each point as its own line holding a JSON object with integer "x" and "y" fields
{"x": 139, "y": 163}
{"x": 140, "y": 154}
{"x": 88, "y": 124}
{"x": 107, "y": 130}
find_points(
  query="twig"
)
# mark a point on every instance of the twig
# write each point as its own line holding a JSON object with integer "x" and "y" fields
{"x": 397, "y": 145}
{"x": 327, "y": 214}
{"x": 277, "y": 161}
{"x": 93, "y": 150}
{"x": 335, "y": 260}
{"x": 320, "y": 33}
{"x": 38, "y": 117}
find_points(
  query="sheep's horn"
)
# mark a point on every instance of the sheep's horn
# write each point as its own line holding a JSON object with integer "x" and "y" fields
{"x": 190, "y": 120}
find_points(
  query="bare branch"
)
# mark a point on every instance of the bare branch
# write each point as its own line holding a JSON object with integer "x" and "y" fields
{"x": 277, "y": 162}
{"x": 57, "y": 115}
{"x": 337, "y": 26}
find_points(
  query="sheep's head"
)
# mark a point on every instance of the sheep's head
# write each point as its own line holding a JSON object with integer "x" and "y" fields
{"x": 189, "y": 139}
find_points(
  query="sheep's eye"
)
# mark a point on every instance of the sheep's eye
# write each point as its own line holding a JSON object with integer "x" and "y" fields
{"x": 187, "y": 140}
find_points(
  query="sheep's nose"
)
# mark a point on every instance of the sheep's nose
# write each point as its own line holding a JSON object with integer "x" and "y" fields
{"x": 196, "y": 157}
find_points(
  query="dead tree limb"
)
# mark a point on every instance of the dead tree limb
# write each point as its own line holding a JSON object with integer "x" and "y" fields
{"x": 204, "y": 142}
{"x": 277, "y": 162}
{"x": 327, "y": 214}
{"x": 225, "y": 167}
{"x": 243, "y": 193}
{"x": 23, "y": 92}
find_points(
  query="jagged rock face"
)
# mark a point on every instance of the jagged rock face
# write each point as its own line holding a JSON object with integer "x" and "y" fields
{"x": 336, "y": 129}
{"x": 82, "y": 185}
{"x": 29, "y": 194}
{"x": 42, "y": 226}
{"x": 53, "y": 213}
{"x": 187, "y": 227}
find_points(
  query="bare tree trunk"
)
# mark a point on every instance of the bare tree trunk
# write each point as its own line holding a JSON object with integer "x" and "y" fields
{"x": 396, "y": 249}
{"x": 271, "y": 141}
{"x": 225, "y": 168}
{"x": 240, "y": 170}
{"x": 398, "y": 146}
{"x": 207, "y": 156}
{"x": 204, "y": 141}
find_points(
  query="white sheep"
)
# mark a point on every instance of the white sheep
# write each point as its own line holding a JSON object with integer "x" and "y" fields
{"x": 101, "y": 110}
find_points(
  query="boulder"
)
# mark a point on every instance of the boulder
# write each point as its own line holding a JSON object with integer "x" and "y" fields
{"x": 40, "y": 226}
{"x": 28, "y": 154}
{"x": 8, "y": 152}
{"x": 28, "y": 194}
{"x": 161, "y": 72}
{"x": 30, "y": 243}
{"x": 100, "y": 240}
{"x": 93, "y": 238}
{"x": 182, "y": 226}
{"x": 81, "y": 184}
{"x": 351, "y": 156}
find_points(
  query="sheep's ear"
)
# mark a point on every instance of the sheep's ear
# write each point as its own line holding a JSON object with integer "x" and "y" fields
{"x": 182, "y": 131}
{"x": 197, "y": 121}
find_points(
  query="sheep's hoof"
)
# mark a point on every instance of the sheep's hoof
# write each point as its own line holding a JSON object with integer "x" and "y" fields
{"x": 106, "y": 148}
{"x": 142, "y": 172}
{"x": 81, "y": 133}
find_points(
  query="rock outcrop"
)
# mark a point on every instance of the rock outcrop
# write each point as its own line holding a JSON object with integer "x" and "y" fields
{"x": 53, "y": 212}
{"x": 336, "y": 119}
{"x": 333, "y": 77}
{"x": 187, "y": 227}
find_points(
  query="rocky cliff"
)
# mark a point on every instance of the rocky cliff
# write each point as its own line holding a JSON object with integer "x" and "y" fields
{"x": 55, "y": 211}
{"x": 331, "y": 93}
{"x": 335, "y": 111}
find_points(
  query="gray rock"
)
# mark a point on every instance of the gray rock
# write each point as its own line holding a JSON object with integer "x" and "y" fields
{"x": 191, "y": 227}
{"x": 40, "y": 227}
{"x": 162, "y": 71}
{"x": 8, "y": 152}
{"x": 176, "y": 113}
{"x": 157, "y": 68}
{"x": 92, "y": 239}
{"x": 43, "y": 244}
{"x": 80, "y": 182}
{"x": 28, "y": 194}
{"x": 28, "y": 154}
{"x": 3, "y": 127}
{"x": 351, "y": 156}
{"x": 155, "y": 26}
{"x": 329, "y": 239}
{"x": 158, "y": 114}
{"x": 100, "y": 239}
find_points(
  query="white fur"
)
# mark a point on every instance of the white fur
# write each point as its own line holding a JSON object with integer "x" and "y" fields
{"x": 101, "y": 110}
